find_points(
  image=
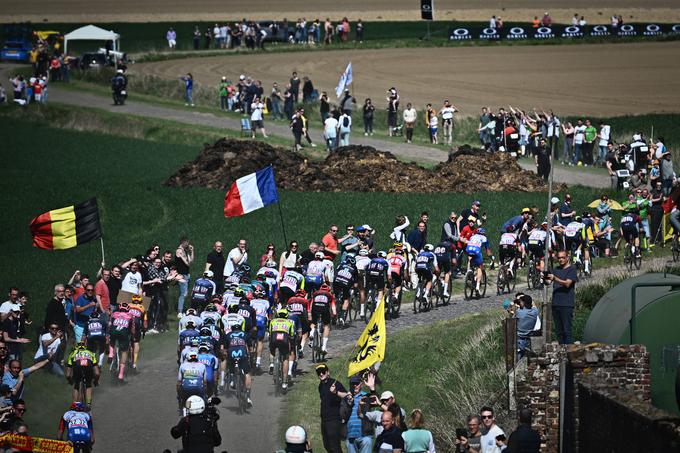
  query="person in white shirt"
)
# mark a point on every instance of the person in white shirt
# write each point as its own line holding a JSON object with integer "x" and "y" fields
{"x": 490, "y": 431}
{"x": 344, "y": 127}
{"x": 410, "y": 116}
{"x": 49, "y": 345}
{"x": 257, "y": 118}
{"x": 603, "y": 135}
{"x": 330, "y": 132}
{"x": 447, "y": 118}
{"x": 579, "y": 139}
{"x": 132, "y": 282}
{"x": 237, "y": 256}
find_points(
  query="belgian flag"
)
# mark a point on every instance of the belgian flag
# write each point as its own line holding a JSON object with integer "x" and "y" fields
{"x": 67, "y": 227}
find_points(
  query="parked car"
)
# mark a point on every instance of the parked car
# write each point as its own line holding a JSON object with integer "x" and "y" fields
{"x": 275, "y": 31}
{"x": 19, "y": 50}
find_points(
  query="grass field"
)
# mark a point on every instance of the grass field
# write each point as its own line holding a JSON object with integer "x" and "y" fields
{"x": 448, "y": 369}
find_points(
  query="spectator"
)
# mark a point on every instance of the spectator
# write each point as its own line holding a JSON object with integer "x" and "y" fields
{"x": 223, "y": 90}
{"x": 133, "y": 280}
{"x": 15, "y": 416}
{"x": 347, "y": 103}
{"x": 290, "y": 259}
{"x": 3, "y": 94}
{"x": 188, "y": 88}
{"x": 579, "y": 139}
{"x": 392, "y": 110}
{"x": 472, "y": 442}
{"x": 197, "y": 38}
{"x": 159, "y": 276}
{"x": 10, "y": 332}
{"x": 257, "y": 118}
{"x": 543, "y": 160}
{"x": 101, "y": 292}
{"x": 350, "y": 243}
{"x": 4, "y": 354}
{"x": 307, "y": 90}
{"x": 603, "y": 135}
{"x": 368, "y": 112}
{"x": 359, "y": 32}
{"x": 417, "y": 439}
{"x": 589, "y": 144}
{"x": 390, "y": 438}
{"x": 308, "y": 255}
{"x": 50, "y": 343}
{"x": 489, "y": 431}
{"x": 84, "y": 306}
{"x": 295, "y": 87}
{"x": 331, "y": 393}
{"x": 324, "y": 106}
{"x": 526, "y": 315}
{"x": 54, "y": 312}
{"x": 564, "y": 280}
{"x": 418, "y": 237}
{"x": 330, "y": 132}
{"x": 184, "y": 256}
{"x": 171, "y": 37}
{"x": 410, "y": 116}
{"x": 611, "y": 163}
{"x": 567, "y": 213}
{"x": 330, "y": 242}
{"x": 297, "y": 126}
{"x": 268, "y": 255}
{"x": 667, "y": 173}
{"x": 359, "y": 429}
{"x": 344, "y": 128}
{"x": 6, "y": 306}
{"x": 524, "y": 439}
{"x": 547, "y": 20}
{"x": 215, "y": 262}
{"x": 275, "y": 98}
{"x": 236, "y": 257}
{"x": 14, "y": 376}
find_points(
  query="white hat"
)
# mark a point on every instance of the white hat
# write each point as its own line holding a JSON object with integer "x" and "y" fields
{"x": 554, "y": 200}
{"x": 296, "y": 435}
{"x": 367, "y": 227}
{"x": 195, "y": 405}
{"x": 386, "y": 395}
{"x": 241, "y": 77}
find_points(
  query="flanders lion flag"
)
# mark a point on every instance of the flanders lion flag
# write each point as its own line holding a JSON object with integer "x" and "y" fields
{"x": 371, "y": 343}
{"x": 67, "y": 227}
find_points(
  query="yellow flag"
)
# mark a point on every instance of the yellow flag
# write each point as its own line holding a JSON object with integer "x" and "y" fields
{"x": 667, "y": 228}
{"x": 371, "y": 343}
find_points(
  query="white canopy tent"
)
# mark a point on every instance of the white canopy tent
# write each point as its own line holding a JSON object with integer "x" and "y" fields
{"x": 92, "y": 33}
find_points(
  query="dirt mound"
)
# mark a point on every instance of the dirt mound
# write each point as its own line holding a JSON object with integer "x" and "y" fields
{"x": 354, "y": 169}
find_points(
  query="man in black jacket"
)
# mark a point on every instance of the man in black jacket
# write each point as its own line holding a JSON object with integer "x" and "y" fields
{"x": 198, "y": 431}
{"x": 54, "y": 312}
{"x": 524, "y": 439}
{"x": 331, "y": 393}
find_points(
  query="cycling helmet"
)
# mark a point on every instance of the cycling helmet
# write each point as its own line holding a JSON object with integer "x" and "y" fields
{"x": 510, "y": 229}
{"x": 578, "y": 218}
{"x": 382, "y": 254}
{"x": 244, "y": 301}
{"x": 481, "y": 231}
{"x": 398, "y": 245}
{"x": 94, "y": 314}
{"x": 349, "y": 259}
{"x": 282, "y": 313}
{"x": 238, "y": 292}
{"x": 78, "y": 406}
{"x": 237, "y": 327}
{"x": 191, "y": 311}
{"x": 120, "y": 71}
{"x": 205, "y": 331}
{"x": 82, "y": 344}
{"x": 245, "y": 279}
{"x": 324, "y": 287}
{"x": 428, "y": 247}
{"x": 259, "y": 292}
{"x": 195, "y": 405}
{"x": 194, "y": 342}
{"x": 232, "y": 286}
{"x": 190, "y": 323}
{"x": 209, "y": 322}
{"x": 210, "y": 307}
{"x": 136, "y": 298}
{"x": 208, "y": 274}
{"x": 296, "y": 435}
{"x": 233, "y": 308}
{"x": 270, "y": 263}
{"x": 217, "y": 298}
{"x": 193, "y": 356}
{"x": 124, "y": 307}
{"x": 204, "y": 347}
{"x": 318, "y": 255}
{"x": 363, "y": 252}
{"x": 301, "y": 293}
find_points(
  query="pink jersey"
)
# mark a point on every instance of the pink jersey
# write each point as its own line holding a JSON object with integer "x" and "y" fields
{"x": 120, "y": 320}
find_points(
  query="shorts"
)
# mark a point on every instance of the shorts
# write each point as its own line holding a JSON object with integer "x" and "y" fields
{"x": 573, "y": 243}
{"x": 630, "y": 232}
{"x": 137, "y": 335}
{"x": 285, "y": 293}
{"x": 322, "y": 310}
{"x": 261, "y": 326}
{"x": 396, "y": 279}
{"x": 243, "y": 363}
{"x": 256, "y": 124}
{"x": 537, "y": 250}
{"x": 284, "y": 345}
{"x": 120, "y": 338}
{"x": 96, "y": 343}
{"x": 83, "y": 374}
{"x": 507, "y": 253}
{"x": 190, "y": 390}
{"x": 444, "y": 264}
{"x": 377, "y": 281}
{"x": 424, "y": 274}
{"x": 341, "y": 291}
{"x": 476, "y": 257}
{"x": 392, "y": 119}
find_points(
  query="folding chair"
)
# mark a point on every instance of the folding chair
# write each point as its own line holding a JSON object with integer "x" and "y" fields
{"x": 245, "y": 127}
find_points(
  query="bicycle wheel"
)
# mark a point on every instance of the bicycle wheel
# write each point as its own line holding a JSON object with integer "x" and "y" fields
{"x": 370, "y": 304}
{"x": 500, "y": 280}
{"x": 637, "y": 260}
{"x": 482, "y": 285}
{"x": 675, "y": 248}
{"x": 469, "y": 284}
{"x": 531, "y": 270}
{"x": 628, "y": 257}
{"x": 395, "y": 304}
{"x": 511, "y": 280}
{"x": 277, "y": 373}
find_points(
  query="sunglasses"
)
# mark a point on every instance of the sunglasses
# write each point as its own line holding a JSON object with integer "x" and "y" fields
{"x": 487, "y": 417}
{"x": 334, "y": 231}
{"x": 3, "y": 348}
{"x": 20, "y": 409}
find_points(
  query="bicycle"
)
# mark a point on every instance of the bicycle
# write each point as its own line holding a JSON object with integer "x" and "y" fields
{"x": 471, "y": 284}
{"x": 630, "y": 259}
{"x": 278, "y": 373}
{"x": 393, "y": 303}
{"x": 438, "y": 292}
{"x": 317, "y": 352}
{"x": 115, "y": 365}
{"x": 505, "y": 279}
{"x": 420, "y": 303}
{"x": 82, "y": 447}
{"x": 240, "y": 384}
{"x": 371, "y": 302}
{"x": 534, "y": 277}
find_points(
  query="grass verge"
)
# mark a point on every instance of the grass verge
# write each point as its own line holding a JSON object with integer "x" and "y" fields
{"x": 448, "y": 369}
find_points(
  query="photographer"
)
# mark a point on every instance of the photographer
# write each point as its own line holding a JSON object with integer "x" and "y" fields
{"x": 198, "y": 429}
{"x": 296, "y": 441}
{"x": 359, "y": 429}
{"x": 564, "y": 280}
{"x": 469, "y": 440}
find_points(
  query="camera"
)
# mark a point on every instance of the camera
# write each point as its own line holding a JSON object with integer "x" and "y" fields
{"x": 212, "y": 414}
{"x": 460, "y": 433}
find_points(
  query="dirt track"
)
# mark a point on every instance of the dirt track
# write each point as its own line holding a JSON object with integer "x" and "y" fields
{"x": 181, "y": 10}
{"x": 598, "y": 80}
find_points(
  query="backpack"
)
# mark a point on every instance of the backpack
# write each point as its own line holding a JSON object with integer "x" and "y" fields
{"x": 345, "y": 121}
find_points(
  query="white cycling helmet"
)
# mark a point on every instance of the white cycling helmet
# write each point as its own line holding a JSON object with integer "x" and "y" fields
{"x": 270, "y": 263}
{"x": 382, "y": 254}
{"x": 319, "y": 255}
{"x": 195, "y": 405}
{"x": 429, "y": 247}
{"x": 296, "y": 435}
{"x": 363, "y": 252}
{"x": 208, "y": 273}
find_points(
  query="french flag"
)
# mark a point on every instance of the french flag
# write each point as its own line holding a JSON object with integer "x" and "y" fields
{"x": 251, "y": 192}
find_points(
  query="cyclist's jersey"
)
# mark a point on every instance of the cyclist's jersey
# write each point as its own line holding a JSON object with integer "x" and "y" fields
{"x": 346, "y": 275}
{"x": 120, "y": 323}
{"x": 230, "y": 299}
{"x": 187, "y": 335}
{"x": 476, "y": 243}
{"x": 425, "y": 261}
{"x": 95, "y": 328}
{"x": 573, "y": 229}
{"x": 210, "y": 315}
{"x": 537, "y": 236}
{"x": 297, "y": 310}
{"x": 212, "y": 338}
{"x": 281, "y": 329}
{"x": 271, "y": 280}
{"x": 82, "y": 357}
{"x": 138, "y": 313}
{"x": 247, "y": 289}
{"x": 203, "y": 290}
{"x": 316, "y": 268}
{"x": 322, "y": 298}
{"x": 186, "y": 352}
{"x": 508, "y": 239}
{"x": 232, "y": 319}
{"x": 78, "y": 426}
{"x": 236, "y": 345}
{"x": 257, "y": 284}
{"x": 362, "y": 263}
{"x": 629, "y": 220}
{"x": 588, "y": 231}
{"x": 211, "y": 364}
{"x": 377, "y": 268}
{"x": 249, "y": 315}
{"x": 292, "y": 280}
{"x": 261, "y": 307}
{"x": 191, "y": 375}
{"x": 397, "y": 263}
{"x": 465, "y": 233}
{"x": 443, "y": 252}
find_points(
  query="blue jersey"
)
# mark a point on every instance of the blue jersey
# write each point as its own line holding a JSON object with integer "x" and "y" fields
{"x": 211, "y": 363}
{"x": 443, "y": 251}
{"x": 78, "y": 426}
{"x": 249, "y": 315}
{"x": 425, "y": 261}
{"x": 95, "y": 328}
{"x": 345, "y": 275}
{"x": 204, "y": 289}
{"x": 237, "y": 347}
{"x": 187, "y": 335}
{"x": 516, "y": 223}
{"x": 377, "y": 267}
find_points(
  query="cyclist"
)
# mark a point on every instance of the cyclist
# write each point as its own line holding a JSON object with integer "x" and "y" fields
{"x": 191, "y": 379}
{"x": 376, "y": 274}
{"x": 508, "y": 248}
{"x": 316, "y": 273}
{"x": 298, "y": 309}
{"x": 186, "y": 336}
{"x": 78, "y": 425}
{"x": 398, "y": 268}
{"x": 323, "y": 303}
{"x": 537, "y": 238}
{"x": 630, "y": 221}
{"x": 203, "y": 290}
{"x": 95, "y": 332}
{"x": 207, "y": 336}
{"x": 426, "y": 268}
{"x": 442, "y": 253}
{"x": 190, "y": 316}
{"x": 573, "y": 235}
{"x": 270, "y": 276}
{"x": 120, "y": 328}
{"x": 82, "y": 367}
{"x": 345, "y": 277}
{"x": 207, "y": 358}
{"x": 192, "y": 347}
{"x": 228, "y": 295}
{"x": 361, "y": 263}
{"x": 230, "y": 319}
{"x": 139, "y": 319}
{"x": 262, "y": 309}
{"x": 236, "y": 346}
{"x": 210, "y": 312}
{"x": 250, "y": 316}
{"x": 281, "y": 335}
{"x": 290, "y": 283}
{"x": 473, "y": 249}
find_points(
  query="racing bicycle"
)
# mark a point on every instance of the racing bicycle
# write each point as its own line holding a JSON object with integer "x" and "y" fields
{"x": 317, "y": 351}
{"x": 630, "y": 258}
{"x": 278, "y": 373}
{"x": 534, "y": 277}
{"x": 393, "y": 303}
{"x": 506, "y": 280}
{"x": 240, "y": 384}
{"x": 471, "y": 283}
{"x": 438, "y": 291}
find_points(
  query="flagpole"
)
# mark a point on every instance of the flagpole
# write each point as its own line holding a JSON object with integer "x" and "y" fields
{"x": 283, "y": 227}
{"x": 101, "y": 240}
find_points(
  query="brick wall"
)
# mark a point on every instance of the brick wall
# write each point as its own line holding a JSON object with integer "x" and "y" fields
{"x": 611, "y": 366}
